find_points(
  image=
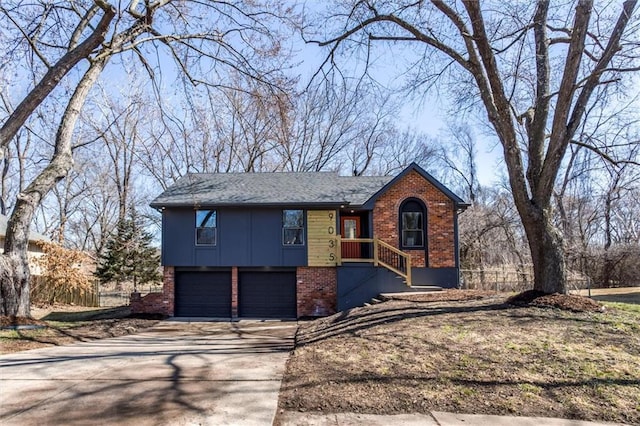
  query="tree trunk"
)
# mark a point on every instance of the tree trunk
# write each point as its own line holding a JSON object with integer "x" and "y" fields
{"x": 14, "y": 263}
{"x": 547, "y": 251}
{"x": 607, "y": 263}
{"x": 14, "y": 285}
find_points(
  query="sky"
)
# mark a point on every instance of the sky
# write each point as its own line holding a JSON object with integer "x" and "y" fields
{"x": 428, "y": 115}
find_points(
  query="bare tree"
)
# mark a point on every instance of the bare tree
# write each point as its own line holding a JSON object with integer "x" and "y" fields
{"x": 534, "y": 69}
{"x": 202, "y": 50}
{"x": 490, "y": 235}
{"x": 458, "y": 154}
{"x": 126, "y": 119}
{"x": 324, "y": 125}
{"x": 621, "y": 185}
{"x": 403, "y": 147}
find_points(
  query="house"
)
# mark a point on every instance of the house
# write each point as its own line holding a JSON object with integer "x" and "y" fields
{"x": 34, "y": 251}
{"x": 289, "y": 245}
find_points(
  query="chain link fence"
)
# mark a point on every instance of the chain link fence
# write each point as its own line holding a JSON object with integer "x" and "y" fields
{"x": 509, "y": 280}
{"x": 120, "y": 298}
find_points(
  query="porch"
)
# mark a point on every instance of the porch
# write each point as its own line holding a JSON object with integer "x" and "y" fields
{"x": 376, "y": 252}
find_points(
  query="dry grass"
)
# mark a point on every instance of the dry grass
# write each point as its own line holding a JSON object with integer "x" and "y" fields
{"x": 479, "y": 356}
{"x": 70, "y": 324}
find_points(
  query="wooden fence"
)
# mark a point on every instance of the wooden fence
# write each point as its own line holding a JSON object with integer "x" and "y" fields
{"x": 93, "y": 297}
{"x": 42, "y": 293}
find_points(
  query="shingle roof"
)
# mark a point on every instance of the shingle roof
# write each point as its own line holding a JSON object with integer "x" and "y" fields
{"x": 231, "y": 189}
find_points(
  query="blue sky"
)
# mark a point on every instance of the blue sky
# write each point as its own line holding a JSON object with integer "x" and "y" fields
{"x": 428, "y": 115}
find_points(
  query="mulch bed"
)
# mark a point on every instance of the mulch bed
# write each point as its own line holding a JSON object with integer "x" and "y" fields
{"x": 12, "y": 321}
{"x": 441, "y": 296}
{"x": 569, "y": 302}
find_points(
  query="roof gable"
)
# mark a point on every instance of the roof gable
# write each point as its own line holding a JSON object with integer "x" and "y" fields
{"x": 458, "y": 202}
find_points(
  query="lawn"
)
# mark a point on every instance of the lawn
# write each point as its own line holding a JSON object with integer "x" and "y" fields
{"x": 69, "y": 324}
{"x": 474, "y": 356}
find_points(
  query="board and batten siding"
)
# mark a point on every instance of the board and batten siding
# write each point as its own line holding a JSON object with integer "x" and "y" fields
{"x": 321, "y": 237}
{"x": 246, "y": 237}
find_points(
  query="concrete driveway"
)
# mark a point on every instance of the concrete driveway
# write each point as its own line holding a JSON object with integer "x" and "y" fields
{"x": 177, "y": 373}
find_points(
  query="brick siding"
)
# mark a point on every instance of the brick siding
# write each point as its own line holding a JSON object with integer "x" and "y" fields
{"x": 157, "y": 303}
{"x": 440, "y": 217}
{"x": 234, "y": 292}
{"x": 316, "y": 291}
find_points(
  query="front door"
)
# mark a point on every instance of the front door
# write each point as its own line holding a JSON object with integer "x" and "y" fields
{"x": 350, "y": 229}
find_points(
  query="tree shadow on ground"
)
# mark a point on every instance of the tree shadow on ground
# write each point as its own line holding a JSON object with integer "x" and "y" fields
{"x": 355, "y": 320}
{"x": 89, "y": 315}
{"x": 165, "y": 378}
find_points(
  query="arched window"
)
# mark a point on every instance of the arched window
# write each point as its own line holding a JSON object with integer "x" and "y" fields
{"x": 413, "y": 217}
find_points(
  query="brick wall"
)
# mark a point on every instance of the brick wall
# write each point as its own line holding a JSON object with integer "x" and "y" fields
{"x": 440, "y": 214}
{"x": 157, "y": 303}
{"x": 168, "y": 288}
{"x": 316, "y": 291}
{"x": 234, "y": 292}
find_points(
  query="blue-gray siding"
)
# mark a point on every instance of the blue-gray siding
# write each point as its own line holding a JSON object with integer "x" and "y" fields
{"x": 245, "y": 237}
{"x": 359, "y": 283}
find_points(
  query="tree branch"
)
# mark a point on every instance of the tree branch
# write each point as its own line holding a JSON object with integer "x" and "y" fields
{"x": 498, "y": 107}
{"x": 536, "y": 126}
{"x": 55, "y": 74}
{"x": 28, "y": 38}
{"x": 565, "y": 125}
{"x": 604, "y": 155}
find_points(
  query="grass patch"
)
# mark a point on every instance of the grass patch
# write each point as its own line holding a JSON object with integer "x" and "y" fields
{"x": 67, "y": 327}
{"x": 478, "y": 356}
{"x": 64, "y": 317}
{"x": 627, "y": 307}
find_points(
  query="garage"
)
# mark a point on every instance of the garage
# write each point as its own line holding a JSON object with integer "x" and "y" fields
{"x": 203, "y": 294}
{"x": 267, "y": 294}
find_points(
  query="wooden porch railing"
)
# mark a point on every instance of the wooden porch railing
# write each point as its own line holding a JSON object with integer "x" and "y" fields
{"x": 377, "y": 252}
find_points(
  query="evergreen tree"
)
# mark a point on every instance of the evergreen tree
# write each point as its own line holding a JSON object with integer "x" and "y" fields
{"x": 129, "y": 255}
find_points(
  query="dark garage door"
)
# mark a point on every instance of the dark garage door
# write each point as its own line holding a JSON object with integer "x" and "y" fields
{"x": 267, "y": 294}
{"x": 203, "y": 294}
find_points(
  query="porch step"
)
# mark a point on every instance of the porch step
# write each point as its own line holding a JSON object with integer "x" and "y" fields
{"x": 420, "y": 290}
{"x": 373, "y": 301}
{"x": 427, "y": 288}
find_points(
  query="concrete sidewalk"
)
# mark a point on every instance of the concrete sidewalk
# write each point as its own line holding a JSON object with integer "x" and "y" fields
{"x": 436, "y": 418}
{"x": 177, "y": 373}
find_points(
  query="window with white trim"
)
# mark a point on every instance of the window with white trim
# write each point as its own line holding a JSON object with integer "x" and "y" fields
{"x": 206, "y": 227}
{"x": 292, "y": 227}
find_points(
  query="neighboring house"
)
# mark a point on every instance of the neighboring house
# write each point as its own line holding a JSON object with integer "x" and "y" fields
{"x": 288, "y": 245}
{"x": 33, "y": 251}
